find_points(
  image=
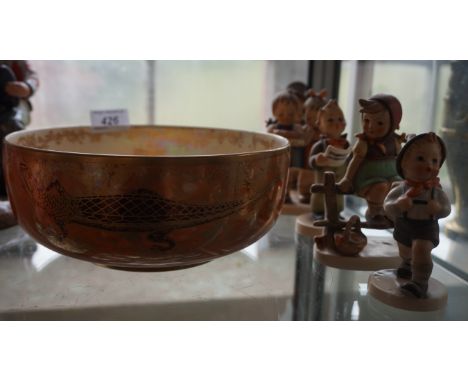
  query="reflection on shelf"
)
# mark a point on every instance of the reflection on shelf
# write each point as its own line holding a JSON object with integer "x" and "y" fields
{"x": 362, "y": 289}
{"x": 251, "y": 251}
{"x": 355, "y": 311}
{"x": 42, "y": 257}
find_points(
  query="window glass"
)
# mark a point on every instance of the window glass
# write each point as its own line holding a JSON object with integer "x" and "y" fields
{"x": 442, "y": 89}
{"x": 344, "y": 87}
{"x": 228, "y": 94}
{"x": 225, "y": 94}
{"x": 69, "y": 90}
{"x": 410, "y": 82}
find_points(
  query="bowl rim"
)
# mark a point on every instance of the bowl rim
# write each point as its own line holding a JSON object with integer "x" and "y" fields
{"x": 283, "y": 143}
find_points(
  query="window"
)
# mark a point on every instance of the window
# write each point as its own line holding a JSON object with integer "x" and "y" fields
{"x": 225, "y": 94}
{"x": 419, "y": 85}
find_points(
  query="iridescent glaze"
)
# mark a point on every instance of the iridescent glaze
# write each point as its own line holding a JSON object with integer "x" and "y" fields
{"x": 147, "y": 197}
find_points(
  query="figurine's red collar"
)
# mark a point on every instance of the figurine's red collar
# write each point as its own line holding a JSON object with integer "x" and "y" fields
{"x": 417, "y": 188}
{"x": 337, "y": 142}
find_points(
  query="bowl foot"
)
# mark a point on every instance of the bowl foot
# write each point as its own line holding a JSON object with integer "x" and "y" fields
{"x": 151, "y": 269}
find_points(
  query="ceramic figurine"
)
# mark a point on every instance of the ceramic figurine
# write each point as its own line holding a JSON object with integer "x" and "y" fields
{"x": 415, "y": 205}
{"x": 372, "y": 169}
{"x": 286, "y": 107}
{"x": 17, "y": 84}
{"x": 329, "y": 153}
{"x": 313, "y": 103}
{"x": 305, "y": 177}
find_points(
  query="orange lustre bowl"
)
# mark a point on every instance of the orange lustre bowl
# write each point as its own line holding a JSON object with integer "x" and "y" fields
{"x": 145, "y": 198}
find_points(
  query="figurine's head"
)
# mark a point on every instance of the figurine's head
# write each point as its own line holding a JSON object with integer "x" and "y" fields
{"x": 286, "y": 108}
{"x": 381, "y": 115}
{"x": 312, "y": 106}
{"x": 421, "y": 157}
{"x": 330, "y": 120}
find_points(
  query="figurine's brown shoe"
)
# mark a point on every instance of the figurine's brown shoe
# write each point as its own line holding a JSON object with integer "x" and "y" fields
{"x": 404, "y": 273}
{"x": 404, "y": 270}
{"x": 415, "y": 289}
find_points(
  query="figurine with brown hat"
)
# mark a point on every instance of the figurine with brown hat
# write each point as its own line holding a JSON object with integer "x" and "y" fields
{"x": 415, "y": 205}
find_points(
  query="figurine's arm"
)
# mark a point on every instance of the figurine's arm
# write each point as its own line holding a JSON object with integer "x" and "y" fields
{"x": 359, "y": 153}
{"x": 396, "y": 202}
{"x": 27, "y": 81}
{"x": 317, "y": 159}
{"x": 18, "y": 89}
{"x": 399, "y": 139}
{"x": 439, "y": 206}
{"x": 398, "y": 145}
{"x": 30, "y": 77}
{"x": 295, "y": 133}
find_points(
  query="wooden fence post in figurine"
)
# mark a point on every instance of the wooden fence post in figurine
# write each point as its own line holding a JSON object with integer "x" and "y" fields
{"x": 372, "y": 169}
{"x": 314, "y": 102}
{"x": 341, "y": 244}
{"x": 415, "y": 204}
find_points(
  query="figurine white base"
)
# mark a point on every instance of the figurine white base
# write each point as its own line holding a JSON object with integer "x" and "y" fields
{"x": 305, "y": 226}
{"x": 296, "y": 207}
{"x": 379, "y": 311}
{"x": 379, "y": 253}
{"x": 384, "y": 286}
